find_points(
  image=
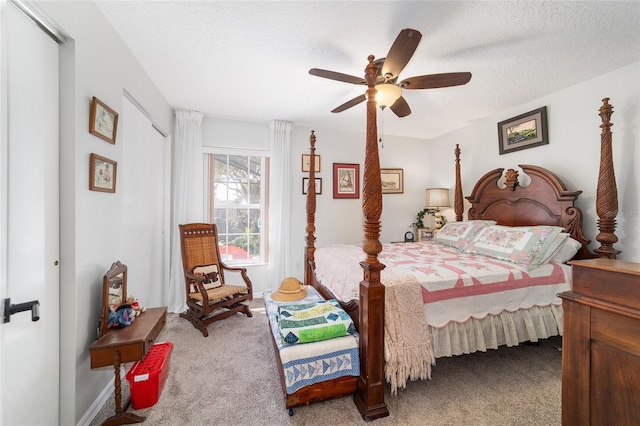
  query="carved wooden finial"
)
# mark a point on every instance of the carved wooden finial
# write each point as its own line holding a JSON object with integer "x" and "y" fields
{"x": 607, "y": 192}
{"x": 458, "y": 206}
{"x": 511, "y": 177}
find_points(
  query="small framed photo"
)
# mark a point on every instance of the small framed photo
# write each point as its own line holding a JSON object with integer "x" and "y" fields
{"x": 305, "y": 185}
{"x": 103, "y": 121}
{"x": 392, "y": 181}
{"x": 346, "y": 180}
{"x": 524, "y": 131}
{"x": 102, "y": 174}
{"x": 306, "y": 163}
{"x": 426, "y": 234}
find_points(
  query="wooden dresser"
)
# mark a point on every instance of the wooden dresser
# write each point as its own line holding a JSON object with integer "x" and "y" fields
{"x": 601, "y": 345}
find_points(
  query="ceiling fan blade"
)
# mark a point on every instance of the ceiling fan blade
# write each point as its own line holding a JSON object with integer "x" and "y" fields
{"x": 434, "y": 81}
{"x": 332, "y": 75}
{"x": 353, "y": 102}
{"x": 401, "y": 107}
{"x": 401, "y": 52}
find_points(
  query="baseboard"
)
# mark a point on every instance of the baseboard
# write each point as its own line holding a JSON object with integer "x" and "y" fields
{"x": 102, "y": 398}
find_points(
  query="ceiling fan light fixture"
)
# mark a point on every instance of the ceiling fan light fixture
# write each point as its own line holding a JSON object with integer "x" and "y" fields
{"x": 387, "y": 94}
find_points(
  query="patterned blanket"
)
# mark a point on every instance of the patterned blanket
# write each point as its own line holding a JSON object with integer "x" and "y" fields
{"x": 308, "y": 363}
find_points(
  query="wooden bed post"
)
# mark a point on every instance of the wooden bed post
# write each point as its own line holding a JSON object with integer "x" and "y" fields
{"x": 370, "y": 396}
{"x": 458, "y": 201}
{"x": 607, "y": 193}
{"x": 310, "y": 250}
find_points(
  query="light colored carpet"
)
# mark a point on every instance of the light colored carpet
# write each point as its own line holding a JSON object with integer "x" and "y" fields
{"x": 230, "y": 378}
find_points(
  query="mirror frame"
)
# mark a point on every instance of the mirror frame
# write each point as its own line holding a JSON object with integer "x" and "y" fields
{"x": 117, "y": 268}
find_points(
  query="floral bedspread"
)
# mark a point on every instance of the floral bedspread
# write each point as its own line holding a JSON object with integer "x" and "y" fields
{"x": 455, "y": 286}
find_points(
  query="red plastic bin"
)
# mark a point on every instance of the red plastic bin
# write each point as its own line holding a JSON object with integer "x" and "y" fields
{"x": 146, "y": 378}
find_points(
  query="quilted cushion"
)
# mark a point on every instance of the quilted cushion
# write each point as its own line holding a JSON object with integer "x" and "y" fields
{"x": 312, "y": 322}
{"x": 522, "y": 245}
{"x": 208, "y": 269}
{"x": 458, "y": 234}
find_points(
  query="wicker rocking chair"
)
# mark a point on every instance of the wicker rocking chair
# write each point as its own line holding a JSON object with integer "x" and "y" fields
{"x": 209, "y": 298}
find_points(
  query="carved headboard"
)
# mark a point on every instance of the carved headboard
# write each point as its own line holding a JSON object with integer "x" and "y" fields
{"x": 545, "y": 201}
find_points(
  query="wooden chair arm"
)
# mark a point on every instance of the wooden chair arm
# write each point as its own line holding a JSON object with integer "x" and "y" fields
{"x": 198, "y": 282}
{"x": 242, "y": 271}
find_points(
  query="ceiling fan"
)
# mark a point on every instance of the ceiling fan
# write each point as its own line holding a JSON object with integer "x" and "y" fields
{"x": 389, "y": 68}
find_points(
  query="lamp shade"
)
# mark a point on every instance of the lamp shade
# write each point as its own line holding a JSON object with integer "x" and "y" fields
{"x": 437, "y": 197}
{"x": 387, "y": 94}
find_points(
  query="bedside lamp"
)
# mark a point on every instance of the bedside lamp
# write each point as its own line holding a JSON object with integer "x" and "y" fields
{"x": 436, "y": 198}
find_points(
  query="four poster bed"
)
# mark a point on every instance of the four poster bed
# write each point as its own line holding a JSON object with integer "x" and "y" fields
{"x": 405, "y": 344}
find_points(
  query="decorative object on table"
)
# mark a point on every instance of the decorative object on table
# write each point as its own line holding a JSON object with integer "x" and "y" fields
{"x": 524, "y": 131}
{"x": 408, "y": 237}
{"x": 102, "y": 173}
{"x": 426, "y": 234}
{"x": 306, "y": 162}
{"x": 305, "y": 185}
{"x": 436, "y": 198}
{"x": 392, "y": 181}
{"x": 346, "y": 180}
{"x": 103, "y": 121}
{"x": 419, "y": 223}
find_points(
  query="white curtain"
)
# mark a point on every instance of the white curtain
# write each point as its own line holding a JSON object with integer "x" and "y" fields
{"x": 279, "y": 203}
{"x": 187, "y": 196}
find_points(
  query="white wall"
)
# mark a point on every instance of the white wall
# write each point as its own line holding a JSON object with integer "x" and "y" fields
{"x": 337, "y": 220}
{"x": 94, "y": 62}
{"x": 341, "y": 220}
{"x": 573, "y": 152}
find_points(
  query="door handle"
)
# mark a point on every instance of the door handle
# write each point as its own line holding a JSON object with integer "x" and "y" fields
{"x": 9, "y": 309}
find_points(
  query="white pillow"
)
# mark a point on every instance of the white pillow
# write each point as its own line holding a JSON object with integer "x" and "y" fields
{"x": 567, "y": 251}
{"x": 554, "y": 247}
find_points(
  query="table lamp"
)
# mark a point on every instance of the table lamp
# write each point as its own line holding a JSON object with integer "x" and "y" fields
{"x": 436, "y": 198}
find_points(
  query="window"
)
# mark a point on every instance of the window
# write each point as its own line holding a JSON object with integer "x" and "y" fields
{"x": 237, "y": 200}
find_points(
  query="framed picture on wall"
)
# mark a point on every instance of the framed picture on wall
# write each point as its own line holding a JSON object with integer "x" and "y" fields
{"x": 392, "y": 181}
{"x": 346, "y": 180}
{"x": 524, "y": 131}
{"x": 102, "y": 174}
{"x": 305, "y": 185}
{"x": 306, "y": 163}
{"x": 103, "y": 121}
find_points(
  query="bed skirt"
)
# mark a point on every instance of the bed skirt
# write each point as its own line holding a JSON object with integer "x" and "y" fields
{"x": 507, "y": 328}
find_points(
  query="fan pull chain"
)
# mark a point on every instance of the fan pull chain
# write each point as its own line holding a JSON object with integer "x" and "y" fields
{"x": 381, "y": 121}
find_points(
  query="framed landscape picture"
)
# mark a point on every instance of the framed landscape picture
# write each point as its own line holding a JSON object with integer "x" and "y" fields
{"x": 524, "y": 131}
{"x": 392, "y": 181}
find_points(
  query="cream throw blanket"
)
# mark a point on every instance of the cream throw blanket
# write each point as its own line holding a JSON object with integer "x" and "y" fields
{"x": 407, "y": 343}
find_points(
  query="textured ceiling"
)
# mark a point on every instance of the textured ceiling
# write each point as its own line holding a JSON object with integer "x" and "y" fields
{"x": 249, "y": 60}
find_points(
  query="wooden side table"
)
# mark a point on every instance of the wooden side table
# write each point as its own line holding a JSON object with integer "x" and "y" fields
{"x": 127, "y": 345}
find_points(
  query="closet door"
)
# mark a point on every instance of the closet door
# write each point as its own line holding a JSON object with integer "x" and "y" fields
{"x": 144, "y": 187}
{"x": 29, "y": 225}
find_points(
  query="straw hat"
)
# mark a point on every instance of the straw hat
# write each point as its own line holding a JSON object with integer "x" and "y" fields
{"x": 290, "y": 289}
